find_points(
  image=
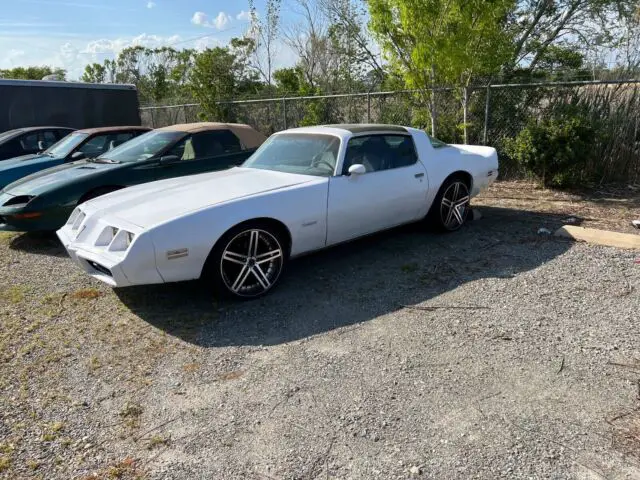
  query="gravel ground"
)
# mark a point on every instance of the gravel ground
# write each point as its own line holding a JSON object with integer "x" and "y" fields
{"x": 490, "y": 353}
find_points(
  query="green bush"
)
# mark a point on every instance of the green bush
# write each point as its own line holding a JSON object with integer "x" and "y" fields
{"x": 557, "y": 149}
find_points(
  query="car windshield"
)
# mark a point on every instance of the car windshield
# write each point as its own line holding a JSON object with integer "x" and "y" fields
{"x": 303, "y": 153}
{"x": 143, "y": 147}
{"x": 65, "y": 146}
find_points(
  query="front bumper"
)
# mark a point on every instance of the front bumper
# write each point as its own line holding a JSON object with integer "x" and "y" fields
{"x": 117, "y": 269}
{"x": 27, "y": 219}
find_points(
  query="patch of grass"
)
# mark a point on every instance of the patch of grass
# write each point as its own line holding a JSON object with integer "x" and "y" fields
{"x": 48, "y": 437}
{"x": 32, "y": 464}
{"x": 230, "y": 375}
{"x": 86, "y": 294}
{"x": 5, "y": 463}
{"x": 191, "y": 367}
{"x": 7, "y": 237}
{"x": 14, "y": 294}
{"x": 131, "y": 410}
{"x": 157, "y": 441}
{"x": 7, "y": 448}
{"x": 57, "y": 427}
{"x": 94, "y": 363}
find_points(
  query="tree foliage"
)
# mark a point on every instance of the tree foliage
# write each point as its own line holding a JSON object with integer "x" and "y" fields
{"x": 33, "y": 73}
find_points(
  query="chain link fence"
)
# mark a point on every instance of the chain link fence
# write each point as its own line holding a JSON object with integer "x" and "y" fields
{"x": 484, "y": 115}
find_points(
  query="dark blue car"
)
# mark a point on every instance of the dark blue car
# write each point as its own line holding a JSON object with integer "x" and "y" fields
{"x": 31, "y": 140}
{"x": 78, "y": 145}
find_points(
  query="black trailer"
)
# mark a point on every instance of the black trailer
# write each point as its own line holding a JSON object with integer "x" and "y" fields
{"x": 34, "y": 103}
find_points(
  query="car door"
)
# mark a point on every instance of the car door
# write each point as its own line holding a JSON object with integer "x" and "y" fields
{"x": 391, "y": 192}
{"x": 203, "y": 152}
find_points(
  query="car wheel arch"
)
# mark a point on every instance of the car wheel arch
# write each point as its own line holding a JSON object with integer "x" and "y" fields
{"x": 265, "y": 221}
{"x": 463, "y": 175}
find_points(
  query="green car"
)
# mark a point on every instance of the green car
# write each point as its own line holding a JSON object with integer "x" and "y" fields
{"x": 44, "y": 200}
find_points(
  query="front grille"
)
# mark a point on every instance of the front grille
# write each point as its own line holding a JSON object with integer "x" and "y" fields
{"x": 100, "y": 268}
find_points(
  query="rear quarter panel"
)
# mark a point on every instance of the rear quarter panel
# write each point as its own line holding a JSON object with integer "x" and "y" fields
{"x": 440, "y": 163}
{"x": 301, "y": 208}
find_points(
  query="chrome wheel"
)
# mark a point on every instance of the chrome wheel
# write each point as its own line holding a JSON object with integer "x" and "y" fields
{"x": 251, "y": 263}
{"x": 454, "y": 206}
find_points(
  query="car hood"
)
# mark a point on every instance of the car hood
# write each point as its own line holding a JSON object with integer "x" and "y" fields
{"x": 19, "y": 161}
{"x": 56, "y": 176}
{"x": 158, "y": 202}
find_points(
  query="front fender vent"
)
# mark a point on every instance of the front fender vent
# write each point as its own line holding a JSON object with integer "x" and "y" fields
{"x": 19, "y": 200}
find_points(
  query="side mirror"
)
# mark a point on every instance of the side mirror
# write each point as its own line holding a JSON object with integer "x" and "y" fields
{"x": 357, "y": 169}
{"x": 77, "y": 156}
{"x": 169, "y": 159}
{"x": 41, "y": 146}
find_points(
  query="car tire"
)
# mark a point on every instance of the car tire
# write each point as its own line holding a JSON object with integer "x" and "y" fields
{"x": 98, "y": 192}
{"x": 247, "y": 261}
{"x": 451, "y": 207}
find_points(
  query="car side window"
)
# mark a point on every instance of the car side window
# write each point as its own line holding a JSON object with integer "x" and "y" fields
{"x": 118, "y": 139}
{"x": 215, "y": 143}
{"x": 380, "y": 152}
{"x": 95, "y": 146}
{"x": 183, "y": 149}
{"x": 47, "y": 138}
{"x": 29, "y": 142}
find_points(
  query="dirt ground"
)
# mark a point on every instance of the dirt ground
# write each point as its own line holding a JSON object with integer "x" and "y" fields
{"x": 494, "y": 352}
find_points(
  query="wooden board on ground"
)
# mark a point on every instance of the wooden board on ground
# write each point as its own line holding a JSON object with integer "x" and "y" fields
{"x": 600, "y": 237}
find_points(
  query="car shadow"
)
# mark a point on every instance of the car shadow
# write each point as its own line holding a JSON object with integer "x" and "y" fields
{"x": 38, "y": 243}
{"x": 355, "y": 282}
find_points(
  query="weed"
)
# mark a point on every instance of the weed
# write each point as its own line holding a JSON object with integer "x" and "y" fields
{"x": 131, "y": 410}
{"x": 57, "y": 427}
{"x": 409, "y": 267}
{"x": 32, "y": 464}
{"x": 157, "y": 441}
{"x": 86, "y": 294}
{"x": 5, "y": 463}
{"x": 6, "y": 237}
{"x": 94, "y": 363}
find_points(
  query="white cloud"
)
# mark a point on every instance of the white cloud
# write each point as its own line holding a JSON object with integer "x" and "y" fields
{"x": 151, "y": 5}
{"x": 202, "y": 19}
{"x": 244, "y": 16}
{"x": 222, "y": 20}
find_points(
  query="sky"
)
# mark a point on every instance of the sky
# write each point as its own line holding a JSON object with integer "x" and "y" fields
{"x": 73, "y": 33}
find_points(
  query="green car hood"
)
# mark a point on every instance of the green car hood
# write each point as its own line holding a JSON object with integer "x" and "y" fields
{"x": 40, "y": 182}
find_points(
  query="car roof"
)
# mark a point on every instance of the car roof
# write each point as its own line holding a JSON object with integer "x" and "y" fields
{"x": 367, "y": 127}
{"x": 32, "y": 129}
{"x": 93, "y": 131}
{"x": 249, "y": 137}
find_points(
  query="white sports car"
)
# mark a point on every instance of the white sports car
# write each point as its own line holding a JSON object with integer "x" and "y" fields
{"x": 304, "y": 189}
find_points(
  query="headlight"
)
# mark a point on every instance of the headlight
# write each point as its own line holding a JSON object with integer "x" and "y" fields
{"x": 115, "y": 239}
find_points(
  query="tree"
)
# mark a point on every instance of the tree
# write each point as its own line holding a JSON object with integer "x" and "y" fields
{"x": 33, "y": 73}
{"x": 264, "y": 34}
{"x": 537, "y": 25}
{"x": 434, "y": 42}
{"x": 217, "y": 75}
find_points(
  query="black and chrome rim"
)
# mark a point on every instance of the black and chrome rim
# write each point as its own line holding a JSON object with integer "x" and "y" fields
{"x": 454, "y": 207}
{"x": 251, "y": 263}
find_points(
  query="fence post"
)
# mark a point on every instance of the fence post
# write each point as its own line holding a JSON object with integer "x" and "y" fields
{"x": 368, "y": 107}
{"x": 465, "y": 112}
{"x": 284, "y": 111}
{"x": 486, "y": 115}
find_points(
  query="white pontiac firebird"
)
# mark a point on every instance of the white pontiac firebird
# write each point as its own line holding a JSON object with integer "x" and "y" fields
{"x": 303, "y": 190}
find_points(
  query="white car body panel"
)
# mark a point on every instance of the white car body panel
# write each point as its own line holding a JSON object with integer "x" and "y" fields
{"x": 176, "y": 222}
